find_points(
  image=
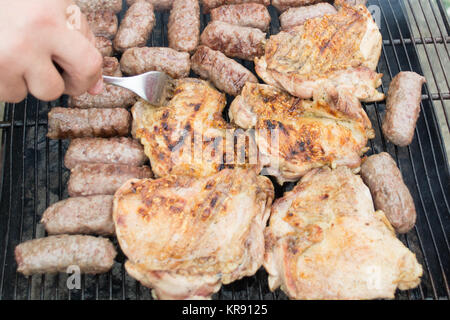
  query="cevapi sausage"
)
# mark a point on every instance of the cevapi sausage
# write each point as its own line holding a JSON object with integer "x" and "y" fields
{"x": 95, "y": 178}
{"x": 297, "y": 16}
{"x": 98, "y": 150}
{"x": 283, "y": 5}
{"x": 211, "y": 4}
{"x": 111, "y": 67}
{"x": 226, "y": 74}
{"x": 80, "y": 215}
{"x": 140, "y": 60}
{"x": 104, "y": 45}
{"x": 110, "y": 97}
{"x": 57, "y": 253}
{"x": 184, "y": 25}
{"x": 403, "y": 108}
{"x": 103, "y": 23}
{"x": 99, "y": 5}
{"x": 157, "y": 4}
{"x": 390, "y": 194}
{"x": 234, "y": 41}
{"x": 136, "y": 26}
{"x": 252, "y": 15}
{"x": 66, "y": 123}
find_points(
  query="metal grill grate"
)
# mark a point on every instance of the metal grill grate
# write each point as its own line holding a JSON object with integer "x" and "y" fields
{"x": 33, "y": 175}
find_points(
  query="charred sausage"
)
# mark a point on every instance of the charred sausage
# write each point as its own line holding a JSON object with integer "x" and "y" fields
{"x": 283, "y": 5}
{"x": 95, "y": 178}
{"x": 98, "y": 150}
{"x": 104, "y": 45}
{"x": 184, "y": 25}
{"x": 136, "y": 26}
{"x": 103, "y": 23}
{"x": 56, "y": 253}
{"x": 234, "y": 41}
{"x": 99, "y": 5}
{"x": 80, "y": 215}
{"x": 252, "y": 15}
{"x": 226, "y": 74}
{"x": 390, "y": 194}
{"x": 139, "y": 60}
{"x": 211, "y": 4}
{"x": 297, "y": 16}
{"x": 403, "y": 108}
{"x": 66, "y": 123}
{"x": 110, "y": 97}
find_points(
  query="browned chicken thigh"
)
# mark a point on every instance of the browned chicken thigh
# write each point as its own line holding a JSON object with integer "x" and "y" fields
{"x": 325, "y": 241}
{"x": 185, "y": 236}
{"x": 295, "y": 135}
{"x": 340, "y": 49}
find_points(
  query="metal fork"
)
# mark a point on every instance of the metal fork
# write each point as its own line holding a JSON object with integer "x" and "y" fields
{"x": 153, "y": 86}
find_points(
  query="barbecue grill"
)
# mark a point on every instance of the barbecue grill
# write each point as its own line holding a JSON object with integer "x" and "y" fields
{"x": 33, "y": 176}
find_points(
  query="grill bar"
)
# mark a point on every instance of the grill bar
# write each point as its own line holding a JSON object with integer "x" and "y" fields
{"x": 33, "y": 175}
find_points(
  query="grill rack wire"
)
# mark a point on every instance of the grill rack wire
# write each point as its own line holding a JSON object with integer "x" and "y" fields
{"x": 33, "y": 176}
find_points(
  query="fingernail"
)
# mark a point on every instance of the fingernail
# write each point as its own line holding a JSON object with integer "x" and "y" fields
{"x": 97, "y": 88}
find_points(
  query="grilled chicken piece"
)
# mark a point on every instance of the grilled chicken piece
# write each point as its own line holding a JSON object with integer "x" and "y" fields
{"x": 341, "y": 49}
{"x": 188, "y": 136}
{"x": 325, "y": 241}
{"x": 185, "y": 236}
{"x": 295, "y": 135}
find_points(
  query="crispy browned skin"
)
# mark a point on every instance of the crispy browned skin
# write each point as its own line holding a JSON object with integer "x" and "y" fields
{"x": 389, "y": 192}
{"x": 186, "y": 236}
{"x": 140, "y": 60}
{"x": 87, "y": 6}
{"x": 98, "y": 178}
{"x": 188, "y": 136}
{"x": 56, "y": 253}
{"x": 104, "y": 45}
{"x": 340, "y": 49}
{"x": 110, "y": 97}
{"x": 325, "y": 241}
{"x": 103, "y": 23}
{"x": 297, "y": 16}
{"x": 111, "y": 67}
{"x": 80, "y": 215}
{"x": 211, "y": 4}
{"x": 184, "y": 25}
{"x": 403, "y": 108}
{"x": 296, "y": 135}
{"x": 247, "y": 15}
{"x": 226, "y": 74}
{"x": 283, "y": 5}
{"x": 157, "y": 4}
{"x": 135, "y": 27}
{"x": 234, "y": 41}
{"x": 66, "y": 123}
{"x": 340, "y": 3}
{"x": 98, "y": 150}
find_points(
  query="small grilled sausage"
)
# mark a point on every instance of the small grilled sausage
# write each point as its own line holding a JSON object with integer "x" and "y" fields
{"x": 234, "y": 41}
{"x": 80, "y": 215}
{"x": 139, "y": 60}
{"x": 66, "y": 123}
{"x": 340, "y": 3}
{"x": 110, "y": 97}
{"x": 211, "y": 4}
{"x": 297, "y": 16}
{"x": 136, "y": 26}
{"x": 98, "y": 150}
{"x": 104, "y": 45}
{"x": 57, "y": 253}
{"x": 390, "y": 194}
{"x": 252, "y": 15}
{"x": 96, "y": 178}
{"x": 103, "y": 23}
{"x": 111, "y": 67}
{"x": 157, "y": 4}
{"x": 87, "y": 6}
{"x": 226, "y": 74}
{"x": 283, "y": 5}
{"x": 184, "y": 25}
{"x": 403, "y": 108}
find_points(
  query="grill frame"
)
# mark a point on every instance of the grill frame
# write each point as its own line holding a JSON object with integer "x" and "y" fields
{"x": 33, "y": 175}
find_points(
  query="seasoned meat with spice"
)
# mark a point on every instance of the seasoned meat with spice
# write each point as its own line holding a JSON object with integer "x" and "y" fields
{"x": 252, "y": 15}
{"x": 211, "y": 4}
{"x": 184, "y": 237}
{"x": 103, "y": 23}
{"x": 157, "y": 4}
{"x": 297, "y": 16}
{"x": 104, "y": 45}
{"x": 87, "y": 6}
{"x": 283, "y": 5}
{"x": 184, "y": 25}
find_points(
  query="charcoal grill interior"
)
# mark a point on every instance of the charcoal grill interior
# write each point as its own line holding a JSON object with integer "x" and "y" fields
{"x": 33, "y": 175}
